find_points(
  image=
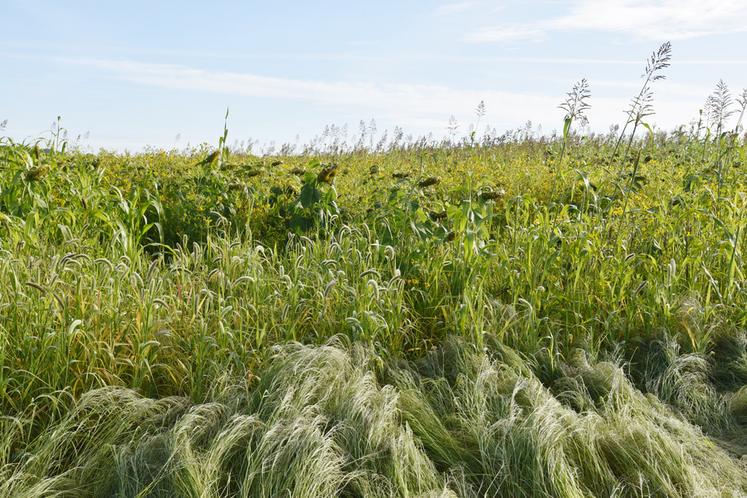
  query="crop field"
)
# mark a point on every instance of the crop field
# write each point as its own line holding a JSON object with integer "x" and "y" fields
{"x": 508, "y": 315}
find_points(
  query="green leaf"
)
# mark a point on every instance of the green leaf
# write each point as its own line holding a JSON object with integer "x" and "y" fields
{"x": 567, "y": 128}
{"x": 310, "y": 195}
{"x": 650, "y": 134}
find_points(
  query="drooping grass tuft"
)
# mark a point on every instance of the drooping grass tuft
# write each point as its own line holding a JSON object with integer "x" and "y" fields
{"x": 321, "y": 421}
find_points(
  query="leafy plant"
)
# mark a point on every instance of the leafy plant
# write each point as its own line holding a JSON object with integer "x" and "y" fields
{"x": 575, "y": 106}
{"x": 420, "y": 316}
{"x": 315, "y": 206}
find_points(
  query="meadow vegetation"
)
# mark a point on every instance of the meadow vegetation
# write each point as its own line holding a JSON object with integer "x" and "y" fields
{"x": 497, "y": 315}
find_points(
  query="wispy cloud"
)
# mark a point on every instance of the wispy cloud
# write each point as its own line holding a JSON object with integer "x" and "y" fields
{"x": 419, "y": 106}
{"x": 643, "y": 20}
{"x": 452, "y": 8}
{"x": 41, "y": 53}
{"x": 403, "y": 104}
{"x": 508, "y": 33}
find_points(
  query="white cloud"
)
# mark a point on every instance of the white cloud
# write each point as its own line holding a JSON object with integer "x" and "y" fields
{"x": 669, "y": 19}
{"x": 667, "y": 87}
{"x": 403, "y": 104}
{"x": 505, "y": 33}
{"x": 419, "y": 108}
{"x": 452, "y": 8}
{"x": 639, "y": 19}
{"x": 400, "y": 57}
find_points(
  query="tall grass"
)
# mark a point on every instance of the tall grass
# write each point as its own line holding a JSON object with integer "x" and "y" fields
{"x": 496, "y": 316}
{"x": 342, "y": 419}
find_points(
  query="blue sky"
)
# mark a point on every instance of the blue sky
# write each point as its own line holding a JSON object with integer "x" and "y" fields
{"x": 161, "y": 73}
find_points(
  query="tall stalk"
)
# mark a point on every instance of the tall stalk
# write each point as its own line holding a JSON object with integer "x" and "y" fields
{"x": 575, "y": 106}
{"x": 641, "y": 106}
{"x": 719, "y": 108}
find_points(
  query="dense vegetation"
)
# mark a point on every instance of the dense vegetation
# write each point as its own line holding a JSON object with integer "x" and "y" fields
{"x": 510, "y": 316}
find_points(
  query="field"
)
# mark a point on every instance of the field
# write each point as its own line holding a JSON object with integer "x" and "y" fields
{"x": 505, "y": 315}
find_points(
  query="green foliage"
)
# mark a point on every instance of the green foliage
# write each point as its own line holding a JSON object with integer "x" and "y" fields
{"x": 342, "y": 420}
{"x": 506, "y": 321}
{"x": 315, "y": 208}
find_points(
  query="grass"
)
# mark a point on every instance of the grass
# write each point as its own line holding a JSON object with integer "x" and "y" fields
{"x": 498, "y": 316}
{"x": 340, "y": 419}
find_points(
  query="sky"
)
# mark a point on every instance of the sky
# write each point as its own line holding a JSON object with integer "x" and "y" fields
{"x": 127, "y": 75}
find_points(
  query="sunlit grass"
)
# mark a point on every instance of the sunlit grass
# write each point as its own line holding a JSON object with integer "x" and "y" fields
{"x": 506, "y": 316}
